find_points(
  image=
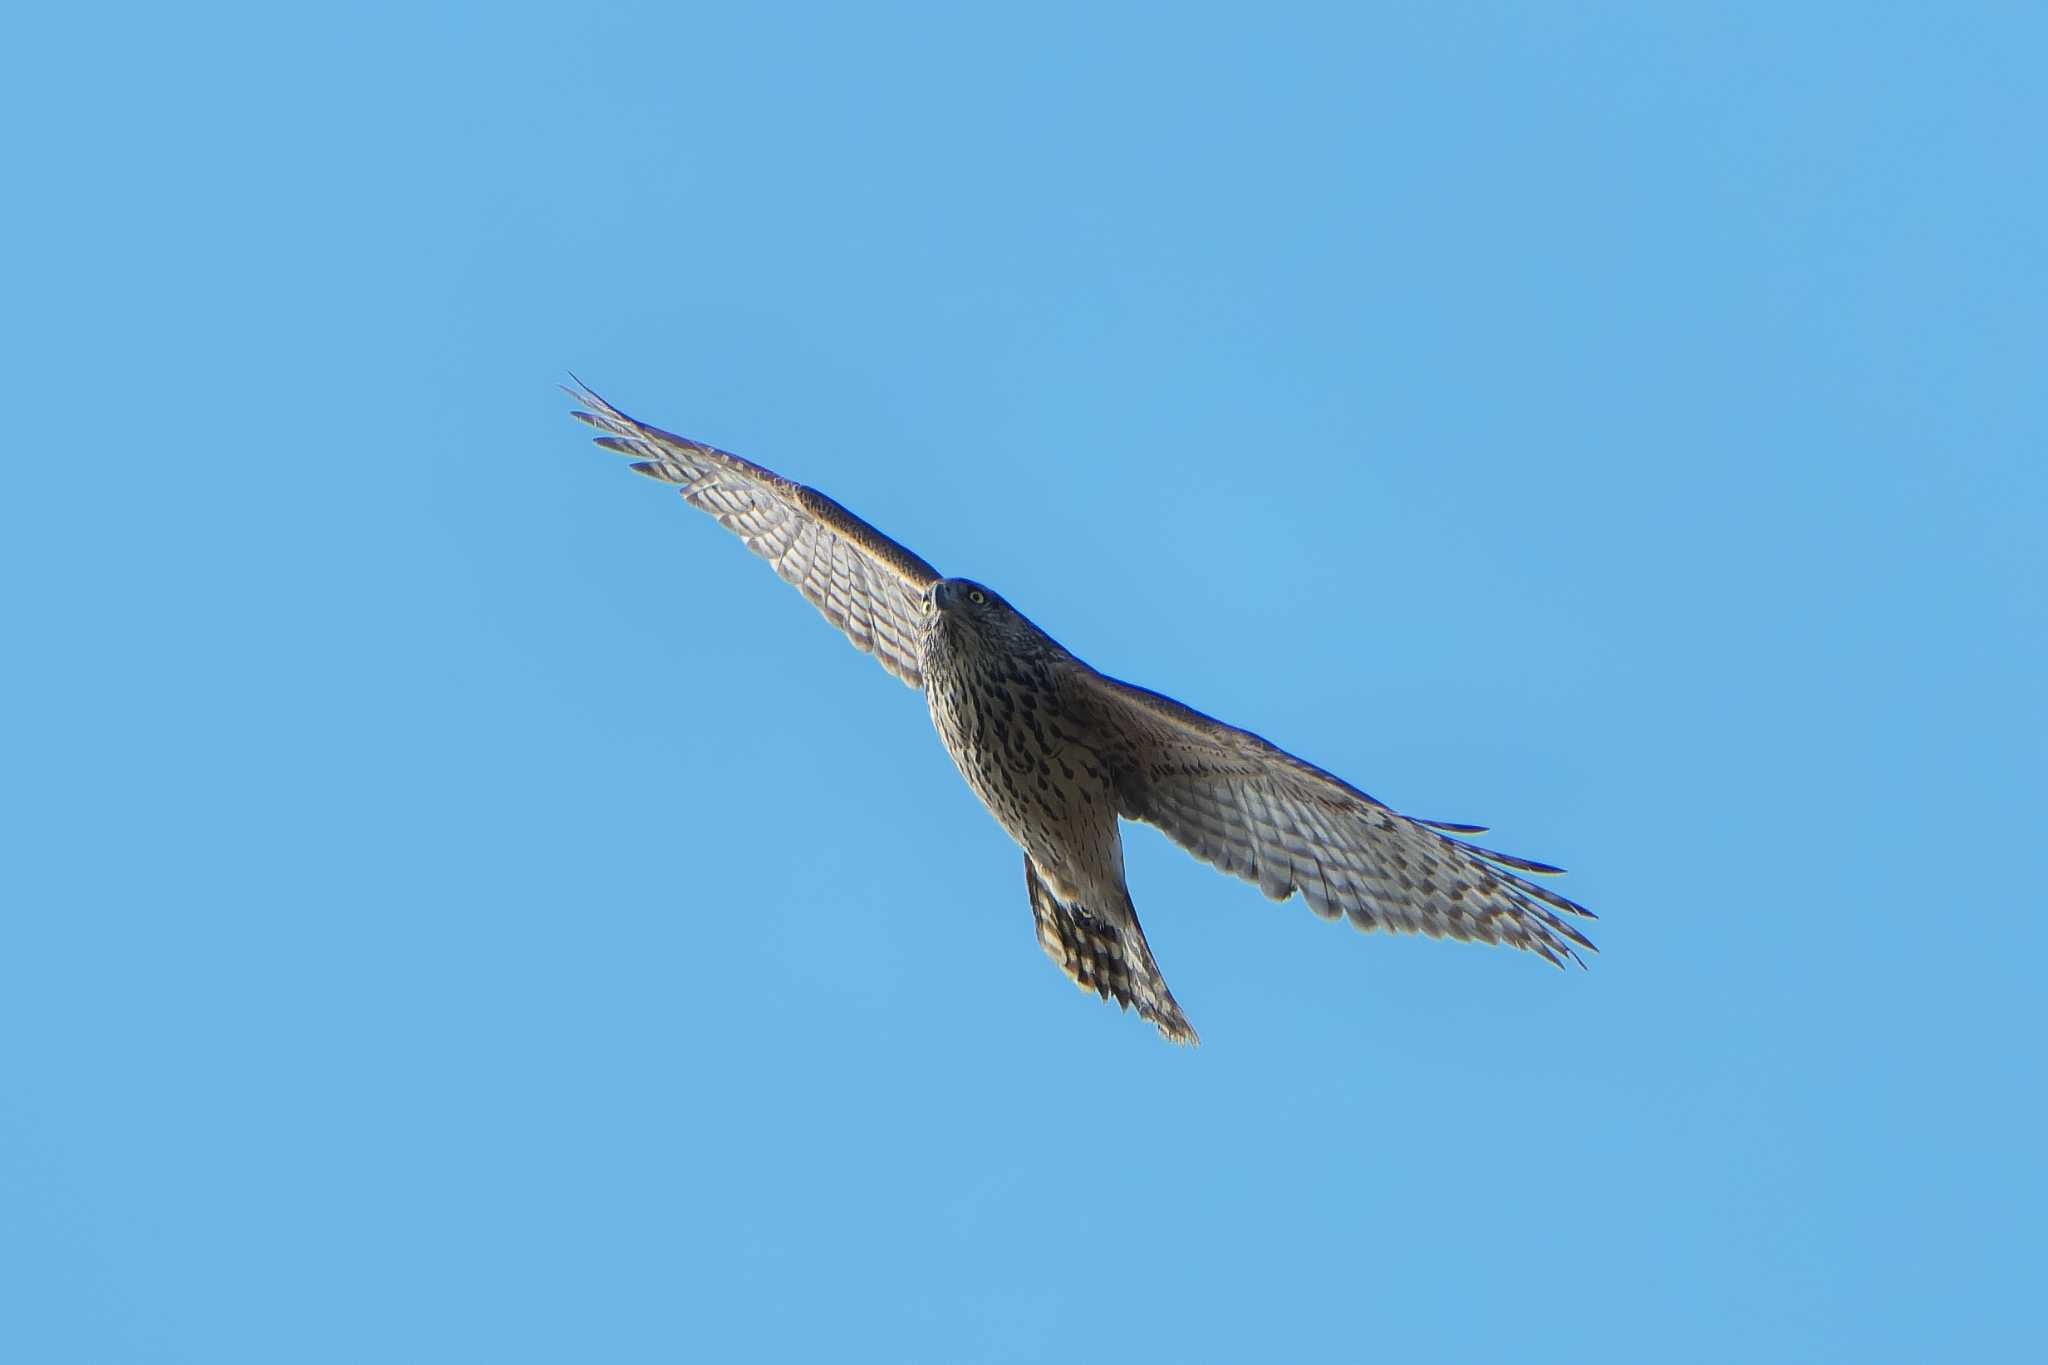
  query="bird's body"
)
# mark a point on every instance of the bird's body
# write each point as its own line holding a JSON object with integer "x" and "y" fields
{"x": 1058, "y": 753}
{"x": 1005, "y": 699}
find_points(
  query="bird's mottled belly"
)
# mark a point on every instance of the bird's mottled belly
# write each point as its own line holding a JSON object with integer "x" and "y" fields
{"x": 1028, "y": 763}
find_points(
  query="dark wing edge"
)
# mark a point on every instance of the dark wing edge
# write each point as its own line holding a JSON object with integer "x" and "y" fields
{"x": 1252, "y": 809}
{"x": 866, "y": 584}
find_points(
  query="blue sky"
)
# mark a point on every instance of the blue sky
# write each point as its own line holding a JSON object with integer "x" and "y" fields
{"x": 459, "y": 905}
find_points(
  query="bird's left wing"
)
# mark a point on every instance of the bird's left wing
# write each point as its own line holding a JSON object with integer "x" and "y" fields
{"x": 1258, "y": 812}
{"x": 865, "y": 583}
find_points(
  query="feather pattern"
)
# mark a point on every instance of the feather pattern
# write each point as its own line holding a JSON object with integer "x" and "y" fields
{"x": 1256, "y": 811}
{"x": 1105, "y": 954}
{"x": 866, "y": 584}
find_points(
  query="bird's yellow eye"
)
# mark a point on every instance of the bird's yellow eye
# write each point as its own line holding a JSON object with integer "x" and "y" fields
{"x": 977, "y": 596}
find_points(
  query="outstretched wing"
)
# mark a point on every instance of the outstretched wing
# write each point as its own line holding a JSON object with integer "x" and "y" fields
{"x": 1234, "y": 800}
{"x": 864, "y": 583}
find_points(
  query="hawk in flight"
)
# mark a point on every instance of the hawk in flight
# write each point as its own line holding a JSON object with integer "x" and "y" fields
{"x": 1058, "y": 752}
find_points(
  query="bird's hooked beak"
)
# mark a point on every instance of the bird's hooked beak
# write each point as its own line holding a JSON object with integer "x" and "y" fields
{"x": 942, "y": 595}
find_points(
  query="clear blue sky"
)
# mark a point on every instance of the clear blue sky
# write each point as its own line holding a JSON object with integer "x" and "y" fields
{"x": 459, "y": 906}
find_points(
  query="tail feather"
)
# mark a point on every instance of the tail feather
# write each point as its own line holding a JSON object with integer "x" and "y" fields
{"x": 1101, "y": 956}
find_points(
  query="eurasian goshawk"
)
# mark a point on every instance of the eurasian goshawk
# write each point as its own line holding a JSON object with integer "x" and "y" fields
{"x": 1057, "y": 752}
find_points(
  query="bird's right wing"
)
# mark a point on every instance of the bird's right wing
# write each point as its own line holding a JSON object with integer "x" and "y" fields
{"x": 1258, "y": 812}
{"x": 865, "y": 583}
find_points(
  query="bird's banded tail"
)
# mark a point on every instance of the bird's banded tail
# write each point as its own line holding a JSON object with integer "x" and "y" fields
{"x": 1112, "y": 960}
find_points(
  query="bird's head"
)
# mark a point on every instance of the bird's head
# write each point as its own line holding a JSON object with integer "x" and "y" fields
{"x": 964, "y": 610}
{"x": 969, "y": 601}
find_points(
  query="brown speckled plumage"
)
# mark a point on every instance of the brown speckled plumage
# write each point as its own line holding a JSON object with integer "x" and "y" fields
{"x": 1058, "y": 752}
